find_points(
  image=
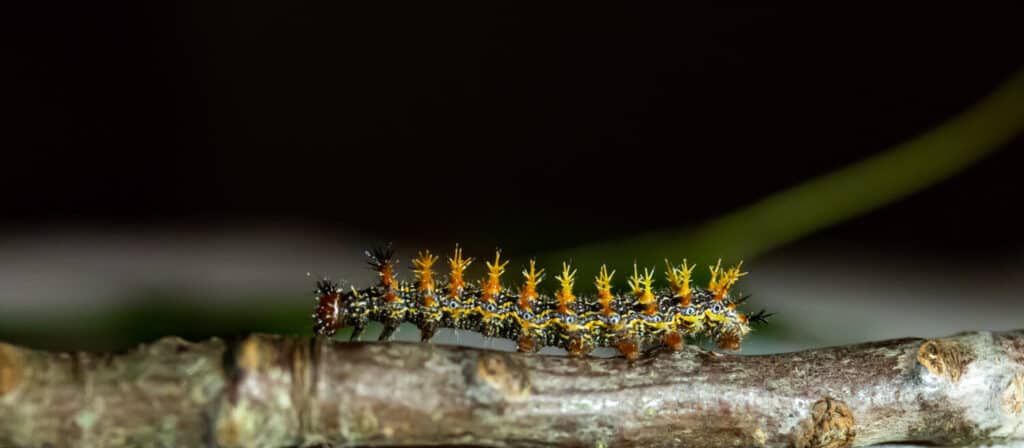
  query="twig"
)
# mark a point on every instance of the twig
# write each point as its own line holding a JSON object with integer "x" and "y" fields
{"x": 271, "y": 390}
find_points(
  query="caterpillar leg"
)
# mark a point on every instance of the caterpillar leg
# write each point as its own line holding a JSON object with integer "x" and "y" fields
{"x": 357, "y": 330}
{"x": 629, "y": 347}
{"x": 427, "y": 331}
{"x": 730, "y": 334}
{"x": 389, "y": 331}
{"x": 529, "y": 339}
{"x": 490, "y": 328}
{"x": 673, "y": 340}
{"x": 728, "y": 341}
{"x": 527, "y": 344}
{"x": 579, "y": 345}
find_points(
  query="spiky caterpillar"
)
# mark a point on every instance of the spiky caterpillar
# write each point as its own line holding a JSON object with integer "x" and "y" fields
{"x": 627, "y": 322}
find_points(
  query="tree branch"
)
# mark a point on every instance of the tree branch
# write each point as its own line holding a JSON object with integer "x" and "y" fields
{"x": 271, "y": 390}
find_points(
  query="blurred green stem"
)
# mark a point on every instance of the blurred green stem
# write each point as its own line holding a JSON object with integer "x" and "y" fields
{"x": 834, "y": 197}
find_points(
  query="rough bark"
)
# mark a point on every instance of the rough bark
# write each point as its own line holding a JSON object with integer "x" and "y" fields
{"x": 269, "y": 390}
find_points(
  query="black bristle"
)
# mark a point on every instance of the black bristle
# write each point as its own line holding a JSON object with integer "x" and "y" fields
{"x": 760, "y": 317}
{"x": 380, "y": 256}
{"x": 325, "y": 287}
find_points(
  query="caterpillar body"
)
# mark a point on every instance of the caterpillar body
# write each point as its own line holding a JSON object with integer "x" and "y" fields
{"x": 628, "y": 322}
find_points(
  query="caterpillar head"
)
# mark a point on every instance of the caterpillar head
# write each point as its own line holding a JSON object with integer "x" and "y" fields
{"x": 328, "y": 314}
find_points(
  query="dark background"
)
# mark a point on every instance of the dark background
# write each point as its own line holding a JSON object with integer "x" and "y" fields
{"x": 544, "y": 125}
{"x": 421, "y": 120}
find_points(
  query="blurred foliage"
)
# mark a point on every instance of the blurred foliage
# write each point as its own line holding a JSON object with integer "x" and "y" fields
{"x": 157, "y": 313}
{"x": 827, "y": 200}
{"x": 750, "y": 231}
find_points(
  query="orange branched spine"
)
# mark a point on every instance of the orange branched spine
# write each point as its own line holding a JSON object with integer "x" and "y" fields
{"x": 564, "y": 295}
{"x": 642, "y": 290}
{"x": 722, "y": 280}
{"x": 492, "y": 287}
{"x": 458, "y": 265}
{"x": 383, "y": 261}
{"x": 679, "y": 278}
{"x": 528, "y": 294}
{"x": 603, "y": 282}
{"x": 425, "y": 276}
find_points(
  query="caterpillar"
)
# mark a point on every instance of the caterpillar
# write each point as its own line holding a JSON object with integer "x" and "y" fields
{"x": 629, "y": 322}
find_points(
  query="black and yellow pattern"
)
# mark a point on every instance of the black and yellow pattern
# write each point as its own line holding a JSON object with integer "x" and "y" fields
{"x": 628, "y": 322}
